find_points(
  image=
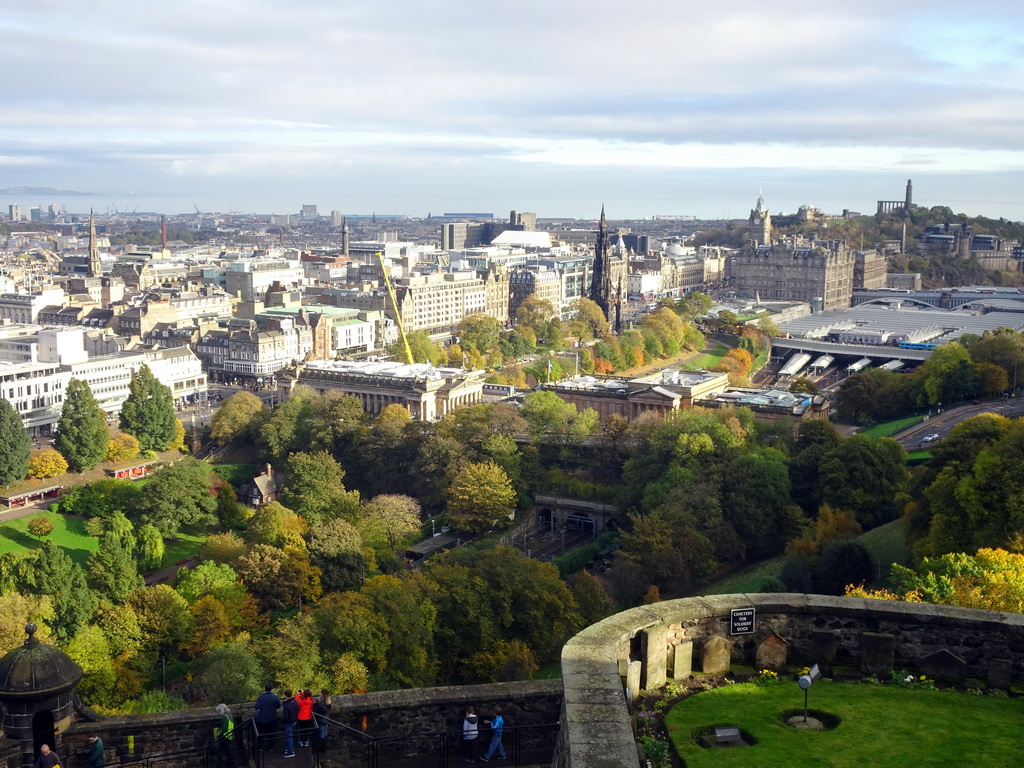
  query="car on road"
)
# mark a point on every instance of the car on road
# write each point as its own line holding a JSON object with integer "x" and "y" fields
{"x": 930, "y": 438}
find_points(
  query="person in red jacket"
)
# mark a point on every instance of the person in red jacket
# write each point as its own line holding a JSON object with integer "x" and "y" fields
{"x": 305, "y": 702}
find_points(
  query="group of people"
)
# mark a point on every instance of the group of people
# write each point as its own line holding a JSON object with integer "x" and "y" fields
{"x": 298, "y": 711}
{"x": 94, "y": 757}
{"x": 471, "y": 740}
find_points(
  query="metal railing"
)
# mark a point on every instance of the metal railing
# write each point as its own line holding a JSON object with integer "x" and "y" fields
{"x": 205, "y": 756}
{"x": 355, "y": 748}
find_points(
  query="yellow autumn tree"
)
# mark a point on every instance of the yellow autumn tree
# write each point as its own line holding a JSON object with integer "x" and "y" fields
{"x": 480, "y": 497}
{"x": 46, "y": 462}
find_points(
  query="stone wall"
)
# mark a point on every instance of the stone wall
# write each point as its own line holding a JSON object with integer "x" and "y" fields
{"x": 404, "y": 715}
{"x": 645, "y": 644}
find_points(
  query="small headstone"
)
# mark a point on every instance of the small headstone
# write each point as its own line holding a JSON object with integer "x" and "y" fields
{"x": 717, "y": 655}
{"x": 682, "y": 660}
{"x": 945, "y": 666}
{"x": 633, "y": 679}
{"x": 771, "y": 653}
{"x": 728, "y": 735}
{"x": 877, "y": 651}
{"x": 654, "y": 650}
{"x": 823, "y": 650}
{"x": 998, "y": 676}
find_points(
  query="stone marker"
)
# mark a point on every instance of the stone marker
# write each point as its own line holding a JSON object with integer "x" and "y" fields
{"x": 877, "y": 651}
{"x": 823, "y": 650}
{"x": 944, "y": 665}
{"x": 682, "y": 660}
{"x": 654, "y": 650}
{"x": 717, "y": 655}
{"x": 998, "y": 676}
{"x": 633, "y": 679}
{"x": 771, "y": 653}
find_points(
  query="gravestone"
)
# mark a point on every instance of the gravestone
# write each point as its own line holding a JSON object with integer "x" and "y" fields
{"x": 877, "y": 651}
{"x": 654, "y": 652}
{"x": 823, "y": 650}
{"x": 717, "y": 655}
{"x": 945, "y": 666}
{"x": 633, "y": 679}
{"x": 998, "y": 676}
{"x": 682, "y": 660}
{"x": 771, "y": 653}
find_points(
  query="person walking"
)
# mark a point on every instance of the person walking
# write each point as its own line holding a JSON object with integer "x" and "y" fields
{"x": 305, "y": 701}
{"x": 470, "y": 735}
{"x": 224, "y": 733}
{"x": 96, "y": 758}
{"x": 266, "y": 714}
{"x": 497, "y": 723}
{"x": 289, "y": 716}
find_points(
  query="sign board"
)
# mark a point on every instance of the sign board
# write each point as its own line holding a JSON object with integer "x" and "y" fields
{"x": 741, "y": 621}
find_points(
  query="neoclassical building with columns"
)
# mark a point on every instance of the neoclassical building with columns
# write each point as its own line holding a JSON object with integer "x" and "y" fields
{"x": 429, "y": 393}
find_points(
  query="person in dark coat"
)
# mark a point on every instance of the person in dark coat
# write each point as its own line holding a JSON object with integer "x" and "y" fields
{"x": 266, "y": 714}
{"x": 96, "y": 758}
{"x": 289, "y": 716}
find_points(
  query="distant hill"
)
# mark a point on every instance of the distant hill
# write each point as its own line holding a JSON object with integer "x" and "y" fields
{"x": 21, "y": 190}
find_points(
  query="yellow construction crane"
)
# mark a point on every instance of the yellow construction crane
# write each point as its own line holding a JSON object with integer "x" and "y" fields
{"x": 394, "y": 305}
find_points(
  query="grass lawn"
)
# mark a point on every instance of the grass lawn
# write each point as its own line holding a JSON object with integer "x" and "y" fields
{"x": 880, "y": 726}
{"x": 706, "y": 360}
{"x": 68, "y": 533}
{"x": 182, "y": 547}
{"x": 891, "y": 428}
{"x": 746, "y": 579}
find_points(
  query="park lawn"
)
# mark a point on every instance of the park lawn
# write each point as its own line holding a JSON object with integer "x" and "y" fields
{"x": 892, "y": 427}
{"x": 747, "y": 579}
{"x": 705, "y": 360}
{"x": 880, "y": 726}
{"x": 182, "y": 547}
{"x": 68, "y": 533}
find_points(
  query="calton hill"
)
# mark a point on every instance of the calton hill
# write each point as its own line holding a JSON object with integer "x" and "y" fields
{"x": 175, "y": 592}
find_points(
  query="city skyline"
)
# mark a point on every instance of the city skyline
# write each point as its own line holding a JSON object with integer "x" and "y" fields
{"x": 403, "y": 108}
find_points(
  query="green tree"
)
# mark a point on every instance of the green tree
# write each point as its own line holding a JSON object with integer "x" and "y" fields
{"x": 17, "y": 610}
{"x": 82, "y": 435}
{"x": 40, "y": 526}
{"x": 287, "y": 429}
{"x": 292, "y": 656}
{"x": 101, "y": 498}
{"x": 866, "y": 476}
{"x": 479, "y": 332}
{"x": 757, "y": 498}
{"x": 148, "y": 413}
{"x": 178, "y": 496}
{"x": 112, "y": 568}
{"x": 164, "y": 619}
{"x": 15, "y": 445}
{"x": 277, "y": 526}
{"x": 548, "y": 414}
{"x": 411, "y": 660}
{"x": 423, "y": 348}
{"x": 591, "y": 597}
{"x": 231, "y": 672}
{"x": 89, "y": 650}
{"x": 150, "y": 548}
{"x": 348, "y": 625}
{"x": 210, "y": 626}
{"x": 336, "y": 548}
{"x": 480, "y": 498}
{"x": 313, "y": 488}
{"x": 948, "y": 375}
{"x": 388, "y": 519}
{"x": 236, "y": 417}
{"x": 534, "y": 313}
{"x": 592, "y": 316}
{"x": 50, "y": 571}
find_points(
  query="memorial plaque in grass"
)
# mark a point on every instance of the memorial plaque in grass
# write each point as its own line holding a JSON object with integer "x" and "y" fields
{"x": 879, "y": 725}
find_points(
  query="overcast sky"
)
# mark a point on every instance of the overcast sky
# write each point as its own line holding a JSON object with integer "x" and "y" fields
{"x": 653, "y": 107}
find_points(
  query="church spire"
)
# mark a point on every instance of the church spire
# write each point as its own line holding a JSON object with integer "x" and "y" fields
{"x": 95, "y": 270}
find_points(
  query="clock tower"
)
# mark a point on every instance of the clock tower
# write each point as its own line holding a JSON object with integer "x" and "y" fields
{"x": 759, "y": 225}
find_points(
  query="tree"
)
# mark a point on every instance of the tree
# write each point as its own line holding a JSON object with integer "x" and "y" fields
{"x": 15, "y": 445}
{"x": 112, "y": 568}
{"x": 947, "y": 376}
{"x": 866, "y": 476}
{"x": 148, "y": 413}
{"x": 480, "y": 497}
{"x": 17, "y": 610}
{"x": 592, "y": 316}
{"x": 479, "y": 332}
{"x": 164, "y": 620}
{"x": 803, "y": 385}
{"x": 46, "y": 462}
{"x": 349, "y": 675}
{"x": 236, "y": 417}
{"x": 82, "y": 434}
{"x": 535, "y": 313}
{"x": 769, "y": 327}
{"x": 411, "y": 660}
{"x": 757, "y": 497}
{"x": 388, "y": 519}
{"x": 275, "y": 525}
{"x": 40, "y": 526}
{"x": 210, "y": 626}
{"x": 279, "y": 579}
{"x": 336, "y": 548}
{"x": 101, "y": 498}
{"x": 694, "y": 305}
{"x": 548, "y": 414}
{"x": 122, "y": 447}
{"x": 177, "y": 496}
{"x": 150, "y": 548}
{"x": 292, "y": 653}
{"x": 313, "y": 488}
{"x": 423, "y": 348}
{"x": 50, "y": 571}
{"x": 591, "y": 597}
{"x": 90, "y": 650}
{"x": 231, "y": 672}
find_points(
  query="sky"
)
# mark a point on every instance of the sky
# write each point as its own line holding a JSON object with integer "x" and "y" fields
{"x": 656, "y": 107}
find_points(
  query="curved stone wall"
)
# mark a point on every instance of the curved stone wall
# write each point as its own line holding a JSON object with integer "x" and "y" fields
{"x": 644, "y": 644}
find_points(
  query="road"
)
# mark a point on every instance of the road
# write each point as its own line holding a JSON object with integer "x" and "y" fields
{"x": 942, "y": 423}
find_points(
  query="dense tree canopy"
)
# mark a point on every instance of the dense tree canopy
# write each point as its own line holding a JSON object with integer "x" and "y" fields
{"x": 15, "y": 445}
{"x": 148, "y": 413}
{"x": 82, "y": 436}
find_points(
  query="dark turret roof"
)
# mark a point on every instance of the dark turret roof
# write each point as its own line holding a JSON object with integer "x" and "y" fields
{"x": 36, "y": 669}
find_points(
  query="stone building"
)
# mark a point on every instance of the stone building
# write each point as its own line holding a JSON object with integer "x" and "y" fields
{"x": 608, "y": 285}
{"x": 819, "y": 272}
{"x": 541, "y": 282}
{"x": 869, "y": 269}
{"x": 428, "y": 393}
{"x": 438, "y": 302}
